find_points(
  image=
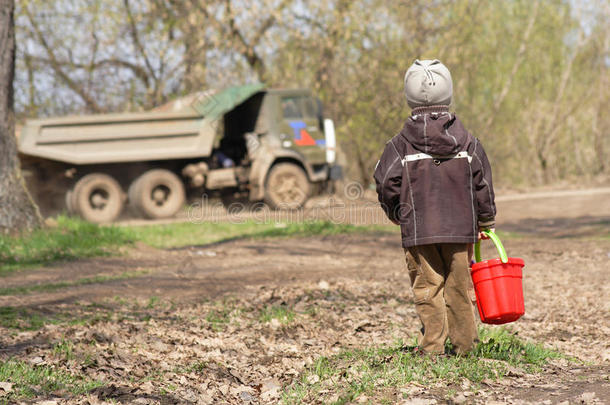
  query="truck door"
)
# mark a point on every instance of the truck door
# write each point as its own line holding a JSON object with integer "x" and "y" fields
{"x": 301, "y": 127}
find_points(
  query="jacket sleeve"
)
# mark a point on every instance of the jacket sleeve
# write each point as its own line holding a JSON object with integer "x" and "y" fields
{"x": 481, "y": 172}
{"x": 388, "y": 177}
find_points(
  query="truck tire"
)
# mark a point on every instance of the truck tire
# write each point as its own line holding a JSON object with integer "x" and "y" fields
{"x": 157, "y": 193}
{"x": 97, "y": 197}
{"x": 70, "y": 203}
{"x": 287, "y": 187}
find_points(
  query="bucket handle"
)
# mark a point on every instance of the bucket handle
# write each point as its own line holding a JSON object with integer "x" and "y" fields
{"x": 494, "y": 238}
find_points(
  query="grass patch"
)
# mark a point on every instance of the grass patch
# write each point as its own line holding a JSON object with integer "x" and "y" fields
{"x": 280, "y": 312}
{"x": 64, "y": 349}
{"x": 198, "y": 367}
{"x": 313, "y": 228}
{"x": 153, "y": 302}
{"x": 190, "y": 234}
{"x": 223, "y": 312}
{"x": 187, "y": 234}
{"x": 34, "y": 318}
{"x": 378, "y": 370}
{"x": 70, "y": 239}
{"x": 30, "y": 381}
{"x": 501, "y": 344}
{"x": 73, "y": 238}
{"x": 219, "y": 318}
{"x": 22, "y": 319}
{"x": 66, "y": 284}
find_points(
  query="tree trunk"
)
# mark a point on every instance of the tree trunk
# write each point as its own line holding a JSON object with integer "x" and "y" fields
{"x": 17, "y": 209}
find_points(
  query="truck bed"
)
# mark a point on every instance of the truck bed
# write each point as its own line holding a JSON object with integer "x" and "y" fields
{"x": 114, "y": 138}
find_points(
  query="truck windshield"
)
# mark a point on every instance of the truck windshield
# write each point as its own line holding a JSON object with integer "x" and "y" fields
{"x": 291, "y": 108}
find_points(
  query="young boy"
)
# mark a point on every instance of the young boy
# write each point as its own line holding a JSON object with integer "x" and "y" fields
{"x": 434, "y": 180}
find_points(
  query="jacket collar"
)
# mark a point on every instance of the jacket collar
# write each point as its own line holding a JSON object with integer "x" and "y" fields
{"x": 430, "y": 109}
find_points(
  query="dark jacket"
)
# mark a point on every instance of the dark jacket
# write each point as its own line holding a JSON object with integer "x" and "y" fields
{"x": 435, "y": 180}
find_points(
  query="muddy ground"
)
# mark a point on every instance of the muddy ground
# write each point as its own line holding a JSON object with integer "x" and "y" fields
{"x": 185, "y": 325}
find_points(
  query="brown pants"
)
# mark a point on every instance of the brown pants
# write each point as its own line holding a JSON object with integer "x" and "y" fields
{"x": 443, "y": 295}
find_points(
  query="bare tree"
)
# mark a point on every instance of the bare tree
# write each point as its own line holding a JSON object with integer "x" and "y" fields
{"x": 17, "y": 210}
{"x": 123, "y": 58}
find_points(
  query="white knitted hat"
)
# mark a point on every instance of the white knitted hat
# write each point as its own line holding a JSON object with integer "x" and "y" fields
{"x": 428, "y": 82}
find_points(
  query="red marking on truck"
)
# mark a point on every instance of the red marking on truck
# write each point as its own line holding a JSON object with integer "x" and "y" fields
{"x": 305, "y": 139}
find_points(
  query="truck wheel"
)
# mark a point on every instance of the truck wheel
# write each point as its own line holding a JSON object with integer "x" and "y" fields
{"x": 287, "y": 187}
{"x": 157, "y": 193}
{"x": 70, "y": 203}
{"x": 97, "y": 198}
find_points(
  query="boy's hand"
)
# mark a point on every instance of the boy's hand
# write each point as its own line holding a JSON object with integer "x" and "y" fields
{"x": 484, "y": 236}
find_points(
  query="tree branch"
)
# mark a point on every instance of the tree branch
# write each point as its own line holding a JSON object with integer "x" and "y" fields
{"x": 551, "y": 129}
{"x": 138, "y": 71}
{"x": 247, "y": 50}
{"x": 57, "y": 67}
{"x": 136, "y": 40}
{"x": 517, "y": 63}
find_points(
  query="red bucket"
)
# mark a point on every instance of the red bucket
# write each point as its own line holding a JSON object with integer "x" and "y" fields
{"x": 498, "y": 285}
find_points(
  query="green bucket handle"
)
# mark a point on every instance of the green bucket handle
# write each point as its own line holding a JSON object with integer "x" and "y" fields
{"x": 494, "y": 238}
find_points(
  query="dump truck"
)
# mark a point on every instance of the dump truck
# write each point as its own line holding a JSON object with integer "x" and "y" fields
{"x": 271, "y": 145}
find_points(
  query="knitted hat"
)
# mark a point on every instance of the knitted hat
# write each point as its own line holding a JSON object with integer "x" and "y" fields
{"x": 428, "y": 82}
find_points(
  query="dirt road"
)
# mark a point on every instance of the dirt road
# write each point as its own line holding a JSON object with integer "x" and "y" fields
{"x": 363, "y": 208}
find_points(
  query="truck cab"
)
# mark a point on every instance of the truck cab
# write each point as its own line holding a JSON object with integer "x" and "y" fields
{"x": 288, "y": 144}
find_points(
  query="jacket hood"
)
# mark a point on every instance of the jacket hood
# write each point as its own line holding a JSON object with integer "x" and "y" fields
{"x": 435, "y": 131}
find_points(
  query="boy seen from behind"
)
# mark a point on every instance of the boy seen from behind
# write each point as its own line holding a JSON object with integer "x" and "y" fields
{"x": 434, "y": 180}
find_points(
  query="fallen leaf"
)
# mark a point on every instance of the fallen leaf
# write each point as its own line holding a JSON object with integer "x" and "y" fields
{"x": 587, "y": 398}
{"x": 37, "y": 361}
{"x": 419, "y": 401}
{"x": 460, "y": 399}
{"x": 313, "y": 378}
